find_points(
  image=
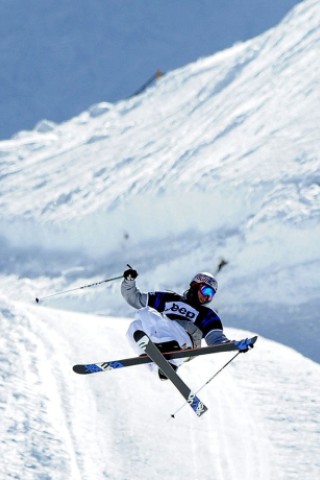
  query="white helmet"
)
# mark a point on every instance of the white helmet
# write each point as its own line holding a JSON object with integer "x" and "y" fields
{"x": 205, "y": 278}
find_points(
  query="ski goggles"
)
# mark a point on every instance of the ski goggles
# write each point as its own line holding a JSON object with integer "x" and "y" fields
{"x": 207, "y": 291}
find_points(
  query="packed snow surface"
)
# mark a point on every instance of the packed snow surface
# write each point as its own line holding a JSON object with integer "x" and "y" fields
{"x": 118, "y": 424}
{"x": 218, "y": 161}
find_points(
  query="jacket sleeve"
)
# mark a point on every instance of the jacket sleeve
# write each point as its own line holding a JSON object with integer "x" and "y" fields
{"x": 213, "y": 329}
{"x": 132, "y": 294}
{"x": 216, "y": 336}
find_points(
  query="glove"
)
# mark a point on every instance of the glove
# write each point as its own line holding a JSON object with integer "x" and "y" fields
{"x": 130, "y": 274}
{"x": 244, "y": 345}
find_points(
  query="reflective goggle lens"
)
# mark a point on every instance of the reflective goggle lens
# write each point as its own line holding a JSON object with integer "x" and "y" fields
{"x": 207, "y": 291}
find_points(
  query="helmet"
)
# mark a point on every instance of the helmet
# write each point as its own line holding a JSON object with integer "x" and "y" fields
{"x": 205, "y": 278}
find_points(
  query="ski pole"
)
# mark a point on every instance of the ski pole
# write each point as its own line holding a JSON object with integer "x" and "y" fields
{"x": 37, "y": 299}
{"x": 207, "y": 382}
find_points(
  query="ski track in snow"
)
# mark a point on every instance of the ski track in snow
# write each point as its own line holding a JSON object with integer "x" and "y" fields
{"x": 36, "y": 439}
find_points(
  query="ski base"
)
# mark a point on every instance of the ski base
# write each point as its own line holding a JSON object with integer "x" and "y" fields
{"x": 89, "y": 368}
{"x": 156, "y": 356}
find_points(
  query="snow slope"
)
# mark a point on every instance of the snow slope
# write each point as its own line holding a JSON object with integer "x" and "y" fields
{"x": 57, "y": 57}
{"x": 117, "y": 425}
{"x": 219, "y": 160}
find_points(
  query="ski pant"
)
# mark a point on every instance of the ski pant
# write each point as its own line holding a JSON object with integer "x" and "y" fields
{"x": 160, "y": 329}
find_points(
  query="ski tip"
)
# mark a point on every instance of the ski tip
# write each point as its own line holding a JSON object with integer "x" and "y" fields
{"x": 87, "y": 368}
{"x": 138, "y": 335}
{"x": 77, "y": 369}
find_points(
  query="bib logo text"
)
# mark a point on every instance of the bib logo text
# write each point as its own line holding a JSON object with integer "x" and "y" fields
{"x": 180, "y": 309}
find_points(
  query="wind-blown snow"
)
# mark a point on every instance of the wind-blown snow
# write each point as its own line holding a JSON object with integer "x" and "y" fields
{"x": 219, "y": 160}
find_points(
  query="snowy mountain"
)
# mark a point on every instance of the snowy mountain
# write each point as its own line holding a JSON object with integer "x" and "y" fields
{"x": 218, "y": 160}
{"x": 59, "y": 57}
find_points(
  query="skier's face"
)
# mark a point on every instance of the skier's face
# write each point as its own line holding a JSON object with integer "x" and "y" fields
{"x": 205, "y": 293}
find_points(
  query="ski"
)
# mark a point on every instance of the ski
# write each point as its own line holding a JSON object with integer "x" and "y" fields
{"x": 89, "y": 368}
{"x": 156, "y": 356}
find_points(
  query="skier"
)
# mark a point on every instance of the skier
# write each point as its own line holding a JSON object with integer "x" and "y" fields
{"x": 175, "y": 321}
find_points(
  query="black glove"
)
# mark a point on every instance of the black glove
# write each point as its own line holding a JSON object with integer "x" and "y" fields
{"x": 130, "y": 274}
